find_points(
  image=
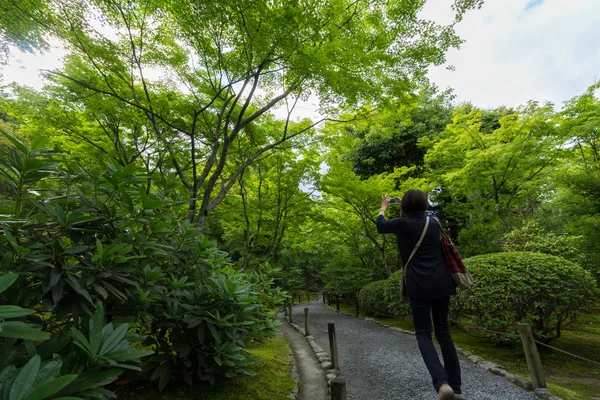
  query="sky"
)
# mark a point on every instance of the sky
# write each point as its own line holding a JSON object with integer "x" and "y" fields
{"x": 521, "y": 50}
{"x": 514, "y": 51}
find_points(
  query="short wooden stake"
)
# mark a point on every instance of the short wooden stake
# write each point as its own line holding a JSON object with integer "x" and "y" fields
{"x": 306, "y": 332}
{"x": 290, "y": 318}
{"x": 329, "y": 299}
{"x": 338, "y": 389}
{"x": 333, "y": 346}
{"x": 285, "y": 308}
{"x": 357, "y": 306}
{"x": 337, "y": 300}
{"x": 534, "y": 364}
{"x": 323, "y": 297}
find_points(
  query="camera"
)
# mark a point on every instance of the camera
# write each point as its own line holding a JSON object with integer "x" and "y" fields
{"x": 393, "y": 200}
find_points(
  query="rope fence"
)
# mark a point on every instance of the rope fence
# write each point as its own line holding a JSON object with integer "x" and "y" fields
{"x": 462, "y": 327}
{"x": 534, "y": 364}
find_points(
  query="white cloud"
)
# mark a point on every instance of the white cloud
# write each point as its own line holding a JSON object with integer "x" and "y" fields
{"x": 518, "y": 50}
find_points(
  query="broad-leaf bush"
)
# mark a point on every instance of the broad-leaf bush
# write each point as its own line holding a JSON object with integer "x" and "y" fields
{"x": 383, "y": 297}
{"x": 117, "y": 239}
{"x": 547, "y": 291}
{"x": 70, "y": 363}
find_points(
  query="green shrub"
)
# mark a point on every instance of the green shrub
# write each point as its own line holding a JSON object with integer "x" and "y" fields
{"x": 532, "y": 237}
{"x": 479, "y": 238}
{"x": 383, "y": 297}
{"x": 547, "y": 291}
{"x": 123, "y": 240}
{"x": 67, "y": 364}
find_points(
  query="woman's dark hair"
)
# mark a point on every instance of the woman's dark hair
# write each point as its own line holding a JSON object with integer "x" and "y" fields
{"x": 414, "y": 202}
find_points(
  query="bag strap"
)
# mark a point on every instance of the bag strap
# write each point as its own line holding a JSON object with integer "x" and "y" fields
{"x": 442, "y": 231}
{"x": 418, "y": 243}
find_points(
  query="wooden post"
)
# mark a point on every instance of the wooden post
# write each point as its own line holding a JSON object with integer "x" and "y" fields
{"x": 323, "y": 297}
{"x": 335, "y": 361}
{"x": 285, "y": 308}
{"x": 292, "y": 299}
{"x": 337, "y": 300}
{"x": 534, "y": 364}
{"x": 306, "y": 332}
{"x": 329, "y": 299}
{"x": 338, "y": 389}
{"x": 357, "y": 306}
{"x": 290, "y": 317}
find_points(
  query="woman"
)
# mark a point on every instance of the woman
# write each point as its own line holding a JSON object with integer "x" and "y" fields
{"x": 429, "y": 286}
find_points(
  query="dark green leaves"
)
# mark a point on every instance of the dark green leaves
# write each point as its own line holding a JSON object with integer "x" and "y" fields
{"x": 31, "y": 382}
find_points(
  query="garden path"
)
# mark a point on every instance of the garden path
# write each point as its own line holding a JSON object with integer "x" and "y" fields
{"x": 378, "y": 363}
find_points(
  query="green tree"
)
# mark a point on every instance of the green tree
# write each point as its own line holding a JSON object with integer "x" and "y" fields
{"x": 268, "y": 202}
{"x": 389, "y": 139}
{"x": 577, "y": 199}
{"x": 488, "y": 178}
{"x": 227, "y": 64}
{"x": 23, "y": 26}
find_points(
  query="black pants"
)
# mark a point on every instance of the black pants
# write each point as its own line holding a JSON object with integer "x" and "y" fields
{"x": 424, "y": 311}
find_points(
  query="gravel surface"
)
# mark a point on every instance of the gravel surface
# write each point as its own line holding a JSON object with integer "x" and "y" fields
{"x": 383, "y": 364}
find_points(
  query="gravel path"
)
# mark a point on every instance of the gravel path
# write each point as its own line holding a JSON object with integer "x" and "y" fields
{"x": 383, "y": 364}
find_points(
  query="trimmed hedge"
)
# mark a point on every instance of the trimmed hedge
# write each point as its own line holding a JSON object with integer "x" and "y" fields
{"x": 547, "y": 291}
{"x": 383, "y": 297}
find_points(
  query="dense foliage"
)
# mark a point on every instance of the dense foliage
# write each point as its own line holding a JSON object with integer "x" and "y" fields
{"x": 547, "y": 291}
{"x": 383, "y": 297}
{"x": 83, "y": 236}
{"x": 163, "y": 187}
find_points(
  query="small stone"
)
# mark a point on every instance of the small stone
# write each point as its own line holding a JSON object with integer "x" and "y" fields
{"x": 310, "y": 337}
{"x": 487, "y": 365}
{"x": 543, "y": 393}
{"x": 523, "y": 383}
{"x": 385, "y": 325}
{"x": 554, "y": 398}
{"x": 498, "y": 371}
{"x": 330, "y": 376}
{"x": 331, "y": 371}
{"x": 475, "y": 359}
{"x": 459, "y": 350}
{"x": 326, "y": 365}
{"x": 322, "y": 354}
{"x": 467, "y": 353}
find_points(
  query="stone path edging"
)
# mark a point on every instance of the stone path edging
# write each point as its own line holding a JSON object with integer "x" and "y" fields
{"x": 479, "y": 361}
{"x": 321, "y": 355}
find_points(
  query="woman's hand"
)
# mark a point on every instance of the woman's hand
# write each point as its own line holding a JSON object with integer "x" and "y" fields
{"x": 385, "y": 202}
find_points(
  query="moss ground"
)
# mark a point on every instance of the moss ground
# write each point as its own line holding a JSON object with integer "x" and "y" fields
{"x": 567, "y": 377}
{"x": 272, "y": 381}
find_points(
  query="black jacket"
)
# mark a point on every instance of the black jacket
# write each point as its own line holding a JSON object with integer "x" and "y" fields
{"x": 427, "y": 276}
